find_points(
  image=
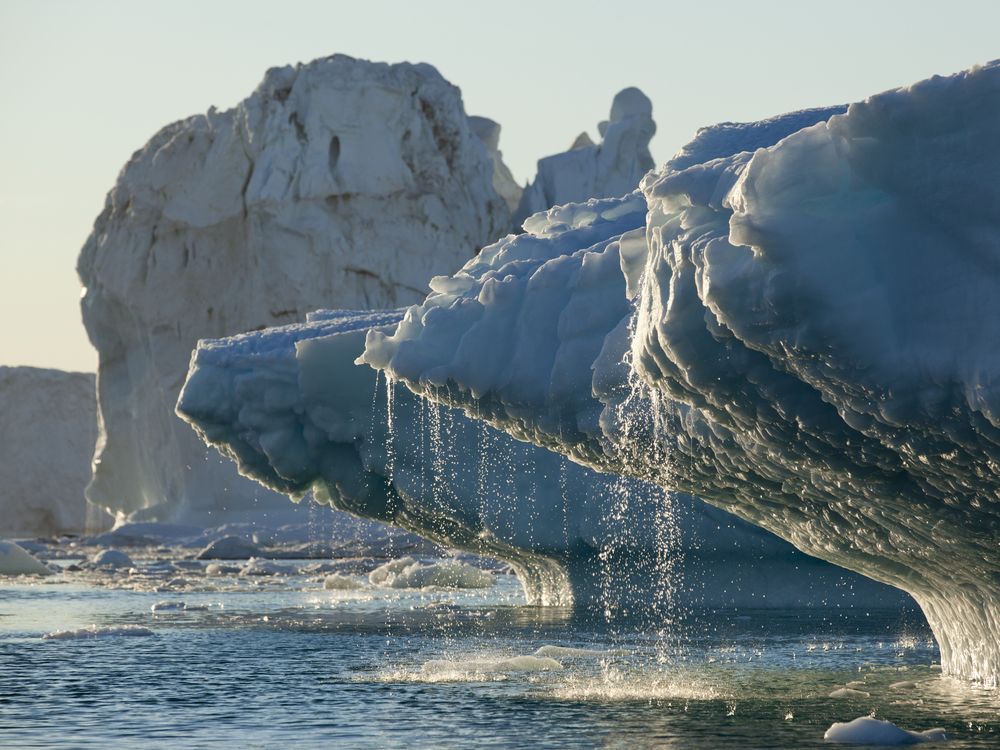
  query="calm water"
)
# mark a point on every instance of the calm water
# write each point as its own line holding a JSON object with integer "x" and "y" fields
{"x": 280, "y": 663}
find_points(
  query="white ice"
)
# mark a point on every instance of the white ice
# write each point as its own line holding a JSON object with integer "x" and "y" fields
{"x": 867, "y": 730}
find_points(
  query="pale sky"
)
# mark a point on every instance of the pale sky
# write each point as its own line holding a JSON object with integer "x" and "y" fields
{"x": 84, "y": 84}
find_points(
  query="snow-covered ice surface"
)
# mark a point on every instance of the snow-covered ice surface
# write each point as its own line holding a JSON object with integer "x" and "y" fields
{"x": 296, "y": 412}
{"x": 231, "y": 661}
{"x": 300, "y": 197}
{"x": 803, "y": 334}
{"x": 46, "y": 413}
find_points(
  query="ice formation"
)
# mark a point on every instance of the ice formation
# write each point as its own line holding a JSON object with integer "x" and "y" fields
{"x": 408, "y": 573}
{"x": 801, "y": 330}
{"x": 867, "y": 730}
{"x": 294, "y": 410}
{"x": 608, "y": 169}
{"x": 45, "y": 413}
{"x": 341, "y": 182}
{"x": 17, "y": 561}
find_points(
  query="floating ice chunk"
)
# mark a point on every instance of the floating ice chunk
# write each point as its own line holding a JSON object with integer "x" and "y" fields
{"x": 408, "y": 573}
{"x": 847, "y": 692}
{"x": 97, "y": 632}
{"x": 341, "y": 583}
{"x": 568, "y": 652}
{"x": 230, "y": 548}
{"x": 174, "y": 606}
{"x": 111, "y": 558}
{"x": 17, "y": 561}
{"x": 216, "y": 569}
{"x": 257, "y": 567}
{"x": 868, "y": 731}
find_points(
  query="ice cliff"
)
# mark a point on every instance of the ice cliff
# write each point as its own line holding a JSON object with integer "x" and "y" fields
{"x": 48, "y": 424}
{"x": 801, "y": 330}
{"x": 341, "y": 182}
{"x": 588, "y": 170}
{"x": 296, "y": 412}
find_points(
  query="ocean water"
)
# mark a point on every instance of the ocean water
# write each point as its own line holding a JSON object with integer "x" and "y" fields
{"x": 280, "y": 662}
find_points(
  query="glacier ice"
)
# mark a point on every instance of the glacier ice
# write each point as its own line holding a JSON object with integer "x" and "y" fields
{"x": 296, "y": 412}
{"x": 300, "y": 197}
{"x": 802, "y": 331}
{"x": 588, "y": 170}
{"x": 45, "y": 413}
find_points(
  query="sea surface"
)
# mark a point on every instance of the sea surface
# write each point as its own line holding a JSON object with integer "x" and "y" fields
{"x": 281, "y": 662}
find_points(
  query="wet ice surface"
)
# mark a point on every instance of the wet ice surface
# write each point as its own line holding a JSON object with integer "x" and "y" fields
{"x": 274, "y": 659}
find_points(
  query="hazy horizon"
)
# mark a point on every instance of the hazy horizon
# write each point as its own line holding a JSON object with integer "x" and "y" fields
{"x": 88, "y": 85}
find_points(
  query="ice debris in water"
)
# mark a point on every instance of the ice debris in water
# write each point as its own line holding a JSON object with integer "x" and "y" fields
{"x": 173, "y": 606}
{"x": 230, "y": 548}
{"x": 341, "y": 582}
{"x": 409, "y": 573}
{"x": 459, "y": 668}
{"x": 94, "y": 631}
{"x": 111, "y": 558}
{"x": 17, "y": 561}
{"x": 866, "y": 730}
{"x": 847, "y": 692}
{"x": 568, "y": 652}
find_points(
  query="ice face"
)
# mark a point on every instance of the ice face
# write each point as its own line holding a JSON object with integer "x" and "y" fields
{"x": 802, "y": 331}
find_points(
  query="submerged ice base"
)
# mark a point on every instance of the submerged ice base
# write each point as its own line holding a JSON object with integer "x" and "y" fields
{"x": 802, "y": 330}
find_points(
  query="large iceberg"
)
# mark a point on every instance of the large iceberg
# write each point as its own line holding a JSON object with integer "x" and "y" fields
{"x": 802, "y": 331}
{"x": 48, "y": 424}
{"x": 341, "y": 182}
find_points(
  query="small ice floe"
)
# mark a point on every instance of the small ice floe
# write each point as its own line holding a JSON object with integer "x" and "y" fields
{"x": 866, "y": 730}
{"x": 176, "y": 606}
{"x": 229, "y": 548}
{"x": 17, "y": 561}
{"x": 110, "y": 558}
{"x": 257, "y": 567}
{"x": 847, "y": 692}
{"x": 408, "y": 573}
{"x": 446, "y": 669}
{"x": 559, "y": 652}
{"x": 95, "y": 632}
{"x": 903, "y": 685}
{"x": 341, "y": 583}
{"x": 217, "y": 569}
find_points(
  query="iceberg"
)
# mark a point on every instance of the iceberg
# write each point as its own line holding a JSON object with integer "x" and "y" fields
{"x": 802, "y": 331}
{"x": 44, "y": 414}
{"x": 588, "y": 170}
{"x": 299, "y": 197}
